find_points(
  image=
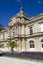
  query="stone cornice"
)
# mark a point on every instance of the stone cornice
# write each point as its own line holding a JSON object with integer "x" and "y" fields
{"x": 36, "y": 16}
{"x": 38, "y": 34}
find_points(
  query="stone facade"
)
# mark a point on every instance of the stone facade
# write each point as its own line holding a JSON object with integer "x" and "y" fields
{"x": 25, "y": 31}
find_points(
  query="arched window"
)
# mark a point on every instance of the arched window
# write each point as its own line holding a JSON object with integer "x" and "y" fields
{"x": 31, "y": 44}
{"x": 42, "y": 42}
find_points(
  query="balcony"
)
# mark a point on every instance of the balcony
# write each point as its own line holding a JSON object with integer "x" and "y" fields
{"x": 3, "y": 40}
{"x": 35, "y": 34}
{"x": 22, "y": 36}
{"x": 28, "y": 35}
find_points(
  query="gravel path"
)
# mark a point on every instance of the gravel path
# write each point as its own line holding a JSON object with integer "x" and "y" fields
{"x": 16, "y": 61}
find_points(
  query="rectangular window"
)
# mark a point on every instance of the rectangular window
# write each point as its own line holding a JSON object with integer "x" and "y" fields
{"x": 14, "y": 32}
{"x": 31, "y": 45}
{"x": 31, "y": 30}
{"x": 42, "y": 45}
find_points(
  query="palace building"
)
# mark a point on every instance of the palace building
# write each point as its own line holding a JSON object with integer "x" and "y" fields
{"x": 26, "y": 32}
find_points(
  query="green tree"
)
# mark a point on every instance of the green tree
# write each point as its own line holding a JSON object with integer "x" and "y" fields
{"x": 1, "y": 45}
{"x": 12, "y": 44}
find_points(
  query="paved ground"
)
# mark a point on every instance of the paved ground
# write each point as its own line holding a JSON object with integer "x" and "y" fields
{"x": 15, "y": 61}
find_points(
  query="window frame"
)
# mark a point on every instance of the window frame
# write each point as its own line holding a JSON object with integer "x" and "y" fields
{"x": 31, "y": 30}
{"x": 42, "y": 43}
{"x": 32, "y": 44}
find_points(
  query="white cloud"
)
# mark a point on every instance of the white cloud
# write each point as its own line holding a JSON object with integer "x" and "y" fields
{"x": 39, "y": 2}
{"x": 18, "y": 0}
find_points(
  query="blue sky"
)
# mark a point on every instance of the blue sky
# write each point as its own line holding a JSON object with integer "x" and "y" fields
{"x": 9, "y": 8}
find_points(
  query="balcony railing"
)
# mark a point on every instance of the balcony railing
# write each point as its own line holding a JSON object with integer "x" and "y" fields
{"x": 23, "y": 36}
{"x": 3, "y": 40}
{"x": 27, "y": 35}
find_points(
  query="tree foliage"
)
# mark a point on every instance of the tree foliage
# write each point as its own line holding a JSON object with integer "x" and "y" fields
{"x": 12, "y": 44}
{"x": 1, "y": 45}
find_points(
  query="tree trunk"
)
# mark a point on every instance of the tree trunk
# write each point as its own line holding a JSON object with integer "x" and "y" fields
{"x": 12, "y": 50}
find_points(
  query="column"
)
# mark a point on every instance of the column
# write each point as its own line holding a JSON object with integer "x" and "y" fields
{"x": 19, "y": 45}
{"x": 23, "y": 45}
